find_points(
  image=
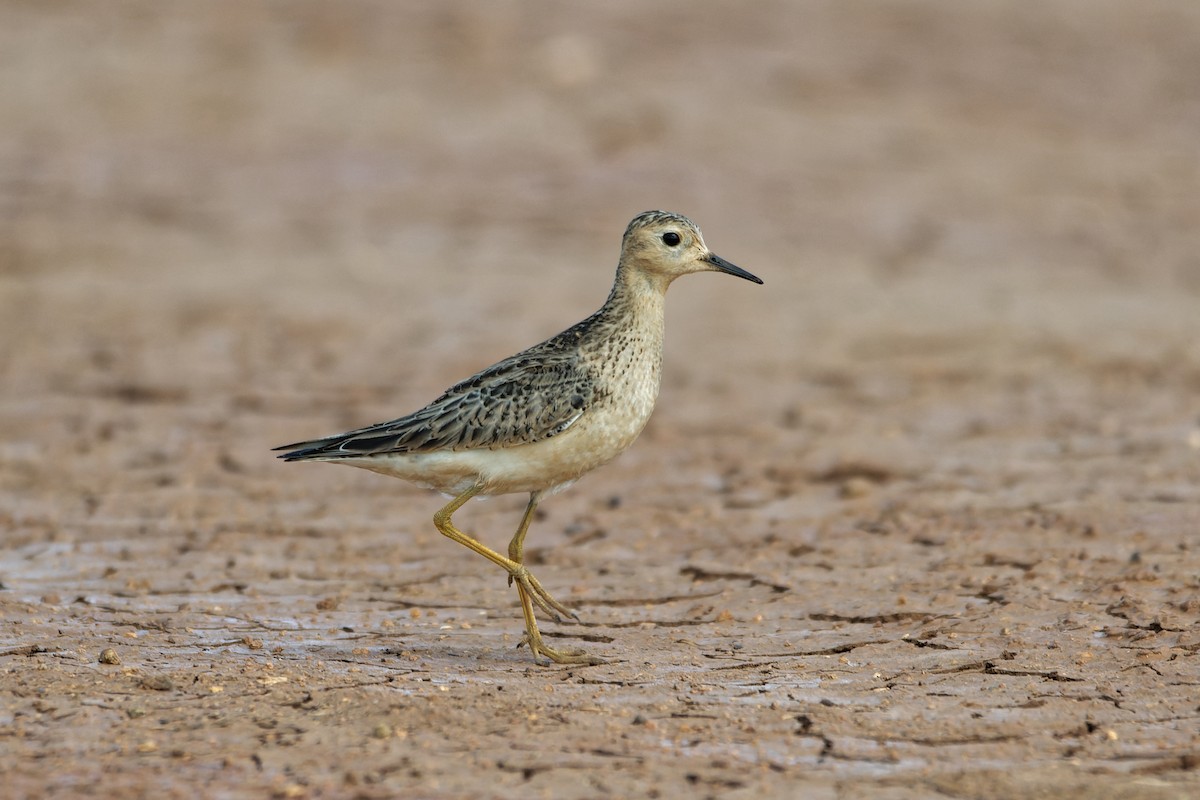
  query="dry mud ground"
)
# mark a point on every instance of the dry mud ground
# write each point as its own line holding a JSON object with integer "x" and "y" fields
{"x": 919, "y": 517}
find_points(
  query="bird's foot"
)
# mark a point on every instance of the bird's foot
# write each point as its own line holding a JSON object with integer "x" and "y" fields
{"x": 532, "y": 593}
{"x": 540, "y": 597}
{"x": 565, "y": 656}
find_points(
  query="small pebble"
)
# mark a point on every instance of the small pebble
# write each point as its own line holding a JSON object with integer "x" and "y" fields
{"x": 159, "y": 683}
{"x": 855, "y": 487}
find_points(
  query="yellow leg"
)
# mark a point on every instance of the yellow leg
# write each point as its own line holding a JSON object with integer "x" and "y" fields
{"x": 516, "y": 552}
{"x": 534, "y": 592}
{"x": 528, "y": 587}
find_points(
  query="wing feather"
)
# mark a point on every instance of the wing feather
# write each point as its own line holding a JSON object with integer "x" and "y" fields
{"x": 531, "y": 396}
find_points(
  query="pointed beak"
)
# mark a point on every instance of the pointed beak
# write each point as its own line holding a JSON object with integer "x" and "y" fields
{"x": 721, "y": 265}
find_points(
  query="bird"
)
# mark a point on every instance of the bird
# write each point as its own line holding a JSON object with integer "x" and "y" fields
{"x": 536, "y": 421}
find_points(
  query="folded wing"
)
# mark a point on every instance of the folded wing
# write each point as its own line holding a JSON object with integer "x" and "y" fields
{"x": 520, "y": 400}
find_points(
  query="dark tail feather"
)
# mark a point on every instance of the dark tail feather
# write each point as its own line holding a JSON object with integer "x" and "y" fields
{"x": 302, "y": 450}
{"x": 339, "y": 446}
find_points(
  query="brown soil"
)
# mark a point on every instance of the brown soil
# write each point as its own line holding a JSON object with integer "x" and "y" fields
{"x": 918, "y": 517}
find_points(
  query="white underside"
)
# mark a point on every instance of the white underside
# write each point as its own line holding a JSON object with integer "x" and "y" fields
{"x": 548, "y": 466}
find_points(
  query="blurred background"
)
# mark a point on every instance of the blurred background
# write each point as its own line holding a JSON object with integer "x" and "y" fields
{"x": 292, "y": 217}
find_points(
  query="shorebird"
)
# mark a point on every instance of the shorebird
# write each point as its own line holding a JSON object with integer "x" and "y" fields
{"x": 537, "y": 421}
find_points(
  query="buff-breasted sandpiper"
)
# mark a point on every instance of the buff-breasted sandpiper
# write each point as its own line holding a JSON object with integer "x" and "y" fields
{"x": 536, "y": 421}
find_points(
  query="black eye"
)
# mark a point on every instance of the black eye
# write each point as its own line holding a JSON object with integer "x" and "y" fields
{"x": 671, "y": 238}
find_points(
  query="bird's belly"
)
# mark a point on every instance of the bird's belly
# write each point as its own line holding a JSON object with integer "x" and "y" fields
{"x": 547, "y": 465}
{"x": 599, "y": 435}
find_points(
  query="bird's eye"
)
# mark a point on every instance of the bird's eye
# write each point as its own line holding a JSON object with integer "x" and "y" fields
{"x": 671, "y": 239}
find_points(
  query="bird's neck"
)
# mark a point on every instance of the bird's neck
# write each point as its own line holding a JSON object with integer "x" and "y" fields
{"x": 625, "y": 340}
{"x": 636, "y": 301}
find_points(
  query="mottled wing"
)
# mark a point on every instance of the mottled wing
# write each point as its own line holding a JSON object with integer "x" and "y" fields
{"x": 526, "y": 398}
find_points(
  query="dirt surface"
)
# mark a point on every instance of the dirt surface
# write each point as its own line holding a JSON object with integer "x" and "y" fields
{"x": 919, "y": 517}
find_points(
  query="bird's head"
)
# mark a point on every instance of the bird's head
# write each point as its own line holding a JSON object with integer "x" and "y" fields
{"x": 662, "y": 246}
